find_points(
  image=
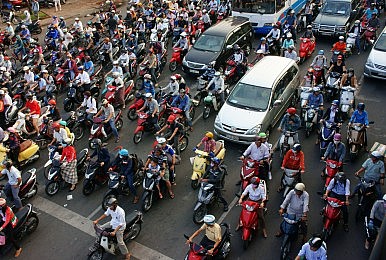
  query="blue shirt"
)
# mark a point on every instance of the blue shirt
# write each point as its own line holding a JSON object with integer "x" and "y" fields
{"x": 359, "y": 118}
{"x": 149, "y": 87}
{"x": 373, "y": 171}
{"x": 285, "y": 123}
{"x": 335, "y": 152}
{"x": 89, "y": 67}
{"x": 181, "y": 103}
{"x": 339, "y": 188}
{"x": 369, "y": 12}
{"x": 26, "y": 34}
{"x": 315, "y": 101}
{"x": 291, "y": 19}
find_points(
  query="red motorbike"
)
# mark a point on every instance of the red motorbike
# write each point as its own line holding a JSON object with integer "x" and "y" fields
{"x": 103, "y": 131}
{"x": 248, "y": 221}
{"x": 306, "y": 48}
{"x": 143, "y": 125}
{"x": 249, "y": 169}
{"x": 220, "y": 16}
{"x": 331, "y": 215}
{"x": 230, "y": 71}
{"x": 332, "y": 168}
{"x": 176, "y": 59}
{"x": 29, "y": 187}
{"x": 369, "y": 37}
{"x": 138, "y": 103}
{"x": 112, "y": 92}
{"x": 317, "y": 75}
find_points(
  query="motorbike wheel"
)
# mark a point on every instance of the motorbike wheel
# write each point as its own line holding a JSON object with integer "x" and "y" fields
{"x": 78, "y": 132}
{"x": 353, "y": 156}
{"x": 192, "y": 113}
{"x": 173, "y": 66}
{"x": 139, "y": 83}
{"x": 308, "y": 132}
{"x": 325, "y": 235}
{"x": 206, "y": 112}
{"x": 137, "y": 137}
{"x": 183, "y": 143}
{"x": 194, "y": 184}
{"x": 106, "y": 199}
{"x": 198, "y": 214}
{"x": 245, "y": 244}
{"x": 132, "y": 114}
{"x": 146, "y": 203}
{"x": 52, "y": 188}
{"x": 32, "y": 223}
{"x": 133, "y": 233}
{"x": 119, "y": 124}
{"x": 37, "y": 31}
{"x": 96, "y": 255}
{"x": 302, "y": 59}
{"x": 88, "y": 187}
{"x": 69, "y": 106}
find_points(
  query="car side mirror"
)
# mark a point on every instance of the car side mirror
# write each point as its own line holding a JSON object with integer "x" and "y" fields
{"x": 277, "y": 103}
{"x": 229, "y": 47}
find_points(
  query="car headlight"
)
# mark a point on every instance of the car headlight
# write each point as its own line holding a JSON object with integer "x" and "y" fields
{"x": 369, "y": 63}
{"x": 254, "y": 130}
{"x": 184, "y": 62}
{"x": 217, "y": 122}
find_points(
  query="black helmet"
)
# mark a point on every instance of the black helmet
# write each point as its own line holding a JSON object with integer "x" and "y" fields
{"x": 361, "y": 106}
{"x": 97, "y": 142}
{"x": 315, "y": 242}
{"x": 297, "y": 147}
{"x": 236, "y": 47}
{"x": 112, "y": 201}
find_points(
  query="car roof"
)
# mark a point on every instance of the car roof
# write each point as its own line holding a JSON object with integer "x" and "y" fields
{"x": 227, "y": 25}
{"x": 266, "y": 71}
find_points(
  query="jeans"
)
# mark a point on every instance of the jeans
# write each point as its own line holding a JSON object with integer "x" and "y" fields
{"x": 152, "y": 73}
{"x": 358, "y": 43}
{"x": 112, "y": 126}
{"x": 154, "y": 121}
{"x": 12, "y": 194}
{"x": 207, "y": 243}
{"x": 187, "y": 115}
{"x": 119, "y": 235}
{"x": 220, "y": 197}
{"x": 10, "y": 236}
{"x": 130, "y": 180}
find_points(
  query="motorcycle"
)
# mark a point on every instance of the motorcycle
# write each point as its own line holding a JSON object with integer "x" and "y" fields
{"x": 331, "y": 215}
{"x": 369, "y": 37}
{"x": 11, "y": 114}
{"x": 150, "y": 190}
{"x": 367, "y": 195}
{"x": 249, "y": 169}
{"x": 355, "y": 139}
{"x": 94, "y": 176}
{"x": 289, "y": 180}
{"x": 290, "y": 229}
{"x": 310, "y": 118}
{"x": 81, "y": 124}
{"x": 138, "y": 103}
{"x": 75, "y": 95}
{"x": 326, "y": 136}
{"x": 332, "y": 168}
{"x": 306, "y": 49}
{"x": 230, "y": 73}
{"x": 112, "y": 91}
{"x": 347, "y": 100}
{"x": 34, "y": 27}
{"x": 103, "y": 131}
{"x": 29, "y": 187}
{"x": 143, "y": 125}
{"x": 273, "y": 46}
{"x": 350, "y": 43}
{"x": 304, "y": 93}
{"x": 332, "y": 85}
{"x": 212, "y": 100}
{"x": 27, "y": 223}
{"x": 176, "y": 59}
{"x": 286, "y": 142}
{"x": 318, "y": 75}
{"x": 197, "y": 252}
{"x": 107, "y": 243}
{"x": 55, "y": 179}
{"x": 201, "y": 91}
{"x": 29, "y": 152}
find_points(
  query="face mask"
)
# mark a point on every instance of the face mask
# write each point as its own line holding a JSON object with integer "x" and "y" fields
{"x": 85, "y": 97}
{"x": 350, "y": 74}
{"x": 254, "y": 186}
{"x": 336, "y": 142}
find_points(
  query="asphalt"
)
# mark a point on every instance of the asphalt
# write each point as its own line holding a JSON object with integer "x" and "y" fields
{"x": 166, "y": 222}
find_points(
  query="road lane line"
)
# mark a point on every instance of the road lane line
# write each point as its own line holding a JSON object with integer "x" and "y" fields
{"x": 92, "y": 214}
{"x": 83, "y": 224}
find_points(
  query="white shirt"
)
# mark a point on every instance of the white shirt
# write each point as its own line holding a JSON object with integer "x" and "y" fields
{"x": 90, "y": 105}
{"x": 218, "y": 83}
{"x": 172, "y": 87}
{"x": 255, "y": 194}
{"x": 291, "y": 55}
{"x": 257, "y": 153}
{"x": 117, "y": 69}
{"x": 7, "y": 100}
{"x": 78, "y": 26}
{"x": 29, "y": 77}
{"x": 13, "y": 175}
{"x": 84, "y": 77}
{"x": 275, "y": 33}
{"x": 61, "y": 135}
{"x": 307, "y": 253}
{"x": 118, "y": 218}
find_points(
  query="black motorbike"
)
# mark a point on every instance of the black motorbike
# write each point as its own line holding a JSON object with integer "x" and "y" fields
{"x": 75, "y": 95}
{"x": 367, "y": 195}
{"x": 82, "y": 124}
{"x": 34, "y": 27}
{"x": 94, "y": 176}
{"x": 290, "y": 228}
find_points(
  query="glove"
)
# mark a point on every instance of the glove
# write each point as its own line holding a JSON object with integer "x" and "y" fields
{"x": 211, "y": 154}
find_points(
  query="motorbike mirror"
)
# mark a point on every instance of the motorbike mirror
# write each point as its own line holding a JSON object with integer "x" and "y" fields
{"x": 185, "y": 236}
{"x": 277, "y": 103}
{"x": 229, "y": 47}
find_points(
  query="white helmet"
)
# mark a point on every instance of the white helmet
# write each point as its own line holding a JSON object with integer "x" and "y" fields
{"x": 115, "y": 62}
{"x": 316, "y": 89}
{"x": 115, "y": 74}
{"x": 21, "y": 115}
{"x": 341, "y": 38}
{"x": 384, "y": 197}
{"x": 183, "y": 34}
{"x": 161, "y": 140}
{"x": 147, "y": 76}
{"x": 209, "y": 219}
{"x": 376, "y": 154}
{"x": 260, "y": 51}
{"x": 140, "y": 20}
{"x": 148, "y": 95}
{"x": 300, "y": 187}
{"x": 289, "y": 35}
{"x": 217, "y": 74}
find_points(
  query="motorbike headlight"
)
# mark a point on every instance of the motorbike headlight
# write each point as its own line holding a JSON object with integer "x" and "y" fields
{"x": 184, "y": 62}
{"x": 369, "y": 63}
{"x": 254, "y": 130}
{"x": 217, "y": 122}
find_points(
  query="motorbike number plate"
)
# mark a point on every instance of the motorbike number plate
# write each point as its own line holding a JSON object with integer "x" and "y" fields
{"x": 194, "y": 71}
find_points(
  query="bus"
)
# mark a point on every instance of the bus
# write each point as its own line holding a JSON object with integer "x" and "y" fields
{"x": 264, "y": 13}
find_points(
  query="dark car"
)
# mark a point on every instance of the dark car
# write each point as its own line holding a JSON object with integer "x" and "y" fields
{"x": 336, "y": 17}
{"x": 212, "y": 44}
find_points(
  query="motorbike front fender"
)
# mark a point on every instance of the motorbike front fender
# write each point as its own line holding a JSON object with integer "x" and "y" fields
{"x": 196, "y": 175}
{"x": 246, "y": 234}
{"x": 197, "y": 205}
{"x": 139, "y": 128}
{"x": 48, "y": 163}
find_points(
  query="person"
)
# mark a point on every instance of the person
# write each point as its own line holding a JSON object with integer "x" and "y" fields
{"x": 148, "y": 85}
{"x": 116, "y": 69}
{"x": 258, "y": 152}
{"x": 377, "y": 214}
{"x": 333, "y": 115}
{"x": 12, "y": 187}
{"x": 308, "y": 11}
{"x": 157, "y": 163}
{"x": 288, "y": 41}
{"x": 315, "y": 100}
{"x": 374, "y": 170}
{"x": 217, "y": 87}
{"x": 212, "y": 236}
{"x": 320, "y": 63}
{"x": 308, "y": 79}
{"x": 29, "y": 77}
{"x": 102, "y": 154}
{"x": 27, "y": 18}
{"x": 256, "y": 192}
{"x": 83, "y": 79}
{"x": 182, "y": 43}
{"x": 107, "y": 48}
{"x": 374, "y": 23}
{"x": 263, "y": 46}
{"x": 175, "y": 131}
{"x": 349, "y": 79}
{"x": 59, "y": 136}
{"x": 339, "y": 188}
{"x": 290, "y": 122}
{"x": 315, "y": 249}
{"x": 338, "y": 66}
{"x": 209, "y": 72}
{"x": 34, "y": 108}
{"x": 62, "y": 23}
{"x": 57, "y": 5}
{"x": 54, "y": 113}
{"x": 370, "y": 11}
{"x": 357, "y": 30}
{"x": 120, "y": 91}
{"x": 107, "y": 114}
{"x": 151, "y": 61}
{"x": 290, "y": 53}
{"x": 13, "y": 144}
{"x": 239, "y": 57}
{"x": 209, "y": 144}
{"x": 360, "y": 117}
{"x": 340, "y": 45}
{"x": 68, "y": 166}
{"x": 35, "y": 8}
{"x": 70, "y": 64}
{"x": 152, "y": 108}
{"x": 173, "y": 87}
{"x": 293, "y": 160}
{"x": 112, "y": 25}
{"x": 171, "y": 158}
{"x": 292, "y": 22}
{"x": 9, "y": 221}
{"x": 78, "y": 25}
{"x": 90, "y": 104}
{"x": 296, "y": 202}
{"x": 336, "y": 150}
{"x": 88, "y": 65}
{"x": 118, "y": 223}
{"x": 275, "y": 34}
{"x": 309, "y": 33}
{"x": 125, "y": 165}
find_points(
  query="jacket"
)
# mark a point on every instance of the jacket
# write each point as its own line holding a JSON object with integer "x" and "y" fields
{"x": 214, "y": 177}
{"x": 73, "y": 67}
{"x": 125, "y": 166}
{"x": 335, "y": 153}
{"x": 102, "y": 154}
{"x": 181, "y": 103}
{"x": 285, "y": 123}
{"x": 10, "y": 217}
{"x": 337, "y": 118}
{"x": 293, "y": 161}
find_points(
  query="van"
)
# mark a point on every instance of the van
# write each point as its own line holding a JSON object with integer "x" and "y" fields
{"x": 214, "y": 45}
{"x": 259, "y": 100}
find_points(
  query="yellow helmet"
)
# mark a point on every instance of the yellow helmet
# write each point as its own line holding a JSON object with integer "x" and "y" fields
{"x": 209, "y": 134}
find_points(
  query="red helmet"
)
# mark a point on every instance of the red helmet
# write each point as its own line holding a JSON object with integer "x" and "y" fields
{"x": 255, "y": 180}
{"x": 55, "y": 126}
{"x": 311, "y": 70}
{"x": 52, "y": 102}
{"x": 178, "y": 76}
{"x": 171, "y": 119}
{"x": 340, "y": 57}
{"x": 291, "y": 110}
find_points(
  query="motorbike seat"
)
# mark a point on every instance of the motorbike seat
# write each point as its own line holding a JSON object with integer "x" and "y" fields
{"x": 24, "y": 145}
{"x": 130, "y": 219}
{"x": 25, "y": 177}
{"x": 219, "y": 146}
{"x": 80, "y": 155}
{"x": 21, "y": 216}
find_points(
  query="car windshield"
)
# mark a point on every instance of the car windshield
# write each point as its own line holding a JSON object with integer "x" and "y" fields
{"x": 210, "y": 43}
{"x": 381, "y": 43}
{"x": 250, "y": 97}
{"x": 255, "y": 6}
{"x": 336, "y": 8}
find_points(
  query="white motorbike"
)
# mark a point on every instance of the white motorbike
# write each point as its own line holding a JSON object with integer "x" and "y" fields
{"x": 287, "y": 141}
{"x": 350, "y": 43}
{"x": 304, "y": 93}
{"x": 289, "y": 180}
{"x": 347, "y": 100}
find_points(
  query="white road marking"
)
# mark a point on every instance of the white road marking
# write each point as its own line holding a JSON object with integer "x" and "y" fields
{"x": 83, "y": 224}
{"x": 92, "y": 214}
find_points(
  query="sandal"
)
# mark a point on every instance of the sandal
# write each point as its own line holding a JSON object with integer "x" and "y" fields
{"x": 171, "y": 195}
{"x": 160, "y": 196}
{"x": 72, "y": 188}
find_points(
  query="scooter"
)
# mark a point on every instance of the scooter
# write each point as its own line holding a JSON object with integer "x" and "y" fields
{"x": 230, "y": 74}
{"x": 55, "y": 179}
{"x": 350, "y": 43}
{"x": 81, "y": 124}
{"x": 199, "y": 162}
{"x": 138, "y": 103}
{"x": 150, "y": 190}
{"x": 347, "y": 101}
{"x": 198, "y": 252}
{"x": 326, "y": 136}
{"x": 29, "y": 152}
{"x": 331, "y": 215}
{"x": 273, "y": 46}
{"x": 306, "y": 49}
{"x": 332, "y": 168}
{"x": 332, "y": 85}
{"x": 310, "y": 118}
{"x": 201, "y": 91}
{"x": 290, "y": 228}
{"x": 367, "y": 195}
{"x": 27, "y": 223}
{"x": 11, "y": 114}
{"x": 112, "y": 92}
{"x": 286, "y": 142}
{"x": 94, "y": 176}
{"x": 355, "y": 139}
{"x": 143, "y": 125}
{"x": 28, "y": 188}
{"x": 304, "y": 93}
{"x": 212, "y": 101}
{"x": 176, "y": 59}
{"x": 103, "y": 131}
{"x": 317, "y": 75}
{"x": 34, "y": 27}
{"x": 107, "y": 243}
{"x": 369, "y": 37}
{"x": 75, "y": 95}
{"x": 249, "y": 169}
{"x": 289, "y": 180}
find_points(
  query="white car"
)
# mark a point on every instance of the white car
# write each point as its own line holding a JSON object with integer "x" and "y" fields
{"x": 375, "y": 66}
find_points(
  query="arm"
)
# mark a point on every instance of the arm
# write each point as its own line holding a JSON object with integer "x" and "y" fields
{"x": 196, "y": 234}
{"x": 7, "y": 218}
{"x": 302, "y": 167}
{"x": 99, "y": 219}
{"x": 329, "y": 188}
{"x": 285, "y": 160}
{"x": 341, "y": 157}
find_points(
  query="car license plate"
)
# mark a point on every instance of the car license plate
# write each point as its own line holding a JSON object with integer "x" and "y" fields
{"x": 232, "y": 137}
{"x": 194, "y": 71}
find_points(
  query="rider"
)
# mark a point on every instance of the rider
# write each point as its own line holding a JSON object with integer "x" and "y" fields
{"x": 340, "y": 45}
{"x": 54, "y": 112}
{"x": 357, "y": 30}
{"x": 108, "y": 117}
{"x": 118, "y": 223}
{"x": 373, "y": 22}
{"x": 173, "y": 87}
{"x": 125, "y": 165}
{"x": 377, "y": 214}
{"x": 370, "y": 11}
{"x": 349, "y": 79}
{"x": 209, "y": 72}
{"x": 239, "y": 57}
{"x": 102, "y": 153}
{"x": 258, "y": 152}
{"x": 107, "y": 48}
{"x": 34, "y": 108}
{"x": 182, "y": 101}
{"x": 9, "y": 221}
{"x": 120, "y": 90}
{"x": 314, "y": 249}
{"x": 175, "y": 131}
{"x": 59, "y": 136}
{"x": 216, "y": 86}
{"x": 292, "y": 22}
{"x": 320, "y": 63}
{"x": 212, "y": 236}
{"x": 288, "y": 41}
{"x": 171, "y": 157}
{"x": 90, "y": 104}
{"x": 182, "y": 43}
{"x": 309, "y": 33}
{"x": 336, "y": 150}
{"x": 148, "y": 85}
{"x": 88, "y": 65}
{"x": 360, "y": 116}
{"x": 152, "y": 108}
{"x": 308, "y": 79}
{"x": 290, "y": 122}
{"x": 338, "y": 66}
{"x": 315, "y": 100}
{"x": 293, "y": 160}
{"x": 83, "y": 79}
{"x": 12, "y": 187}
{"x": 275, "y": 34}
{"x": 339, "y": 188}
{"x": 209, "y": 144}
{"x": 263, "y": 46}
{"x": 290, "y": 53}
{"x": 116, "y": 69}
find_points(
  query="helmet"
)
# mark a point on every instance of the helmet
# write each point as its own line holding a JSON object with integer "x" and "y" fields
{"x": 351, "y": 70}
{"x": 310, "y": 70}
{"x": 52, "y": 102}
{"x": 262, "y": 135}
{"x": 28, "y": 95}
{"x": 309, "y": 26}
{"x": 161, "y": 140}
{"x": 384, "y": 198}
{"x": 11, "y": 130}
{"x": 115, "y": 74}
{"x": 63, "y": 123}
{"x": 97, "y": 142}
{"x": 115, "y": 62}
{"x": 3, "y": 202}
{"x": 112, "y": 201}
{"x": 300, "y": 187}
{"x": 61, "y": 18}
{"x": 171, "y": 119}
{"x": 289, "y": 35}
{"x": 182, "y": 91}
{"x": 80, "y": 68}
{"x": 321, "y": 52}
{"x": 104, "y": 102}
{"x": 148, "y": 95}
{"x": 291, "y": 47}
{"x": 64, "y": 30}
{"x": 297, "y": 148}
{"x": 209, "y": 134}
{"x": 259, "y": 51}
{"x": 337, "y": 137}
{"x": 315, "y": 89}
{"x": 292, "y": 11}
{"x": 55, "y": 126}
{"x": 217, "y": 74}
{"x": 216, "y": 160}
{"x": 341, "y": 177}
{"x": 178, "y": 76}
{"x": 147, "y": 76}
{"x": 335, "y": 102}
{"x": 209, "y": 219}
{"x": 357, "y": 22}
{"x": 183, "y": 34}
{"x": 255, "y": 180}
{"x": 315, "y": 242}
{"x": 291, "y": 110}
{"x": 123, "y": 152}
{"x": 376, "y": 154}
{"x": 361, "y": 106}
{"x": 23, "y": 26}
{"x": 140, "y": 20}
{"x": 340, "y": 57}
{"x": 173, "y": 77}
{"x": 76, "y": 19}
{"x": 341, "y": 38}
{"x": 263, "y": 39}
{"x": 66, "y": 141}
{"x": 25, "y": 68}
{"x": 236, "y": 47}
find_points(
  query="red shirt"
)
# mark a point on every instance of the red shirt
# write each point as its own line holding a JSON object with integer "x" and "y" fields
{"x": 69, "y": 153}
{"x": 33, "y": 106}
{"x": 293, "y": 161}
{"x": 9, "y": 217}
{"x": 209, "y": 144}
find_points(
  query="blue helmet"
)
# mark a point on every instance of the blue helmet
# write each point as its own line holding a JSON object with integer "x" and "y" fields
{"x": 123, "y": 152}
{"x": 216, "y": 160}
{"x": 321, "y": 52}
{"x": 361, "y": 106}
{"x": 335, "y": 102}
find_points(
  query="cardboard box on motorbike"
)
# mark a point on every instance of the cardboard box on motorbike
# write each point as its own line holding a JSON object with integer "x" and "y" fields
{"x": 381, "y": 148}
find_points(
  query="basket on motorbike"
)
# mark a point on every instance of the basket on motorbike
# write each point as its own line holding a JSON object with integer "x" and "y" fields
{"x": 381, "y": 148}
